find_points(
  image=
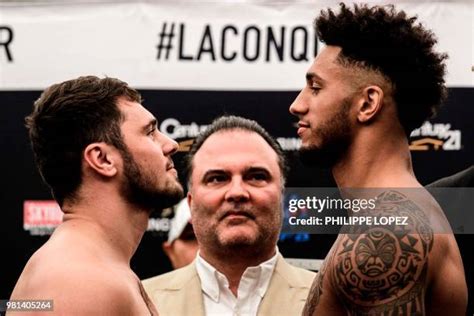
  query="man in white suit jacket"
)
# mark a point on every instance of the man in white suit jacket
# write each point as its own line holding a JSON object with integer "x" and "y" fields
{"x": 236, "y": 175}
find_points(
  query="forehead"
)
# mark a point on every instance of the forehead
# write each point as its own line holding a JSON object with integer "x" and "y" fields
{"x": 134, "y": 113}
{"x": 235, "y": 150}
{"x": 325, "y": 64}
{"x": 352, "y": 77}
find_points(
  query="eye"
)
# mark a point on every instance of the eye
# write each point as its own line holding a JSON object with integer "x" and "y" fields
{"x": 215, "y": 179}
{"x": 315, "y": 88}
{"x": 152, "y": 131}
{"x": 258, "y": 177}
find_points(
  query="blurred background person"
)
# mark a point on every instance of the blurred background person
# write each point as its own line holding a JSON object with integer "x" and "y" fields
{"x": 463, "y": 178}
{"x": 181, "y": 246}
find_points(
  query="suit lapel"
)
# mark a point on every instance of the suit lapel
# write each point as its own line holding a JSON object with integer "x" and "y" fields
{"x": 193, "y": 303}
{"x": 182, "y": 295}
{"x": 283, "y": 296}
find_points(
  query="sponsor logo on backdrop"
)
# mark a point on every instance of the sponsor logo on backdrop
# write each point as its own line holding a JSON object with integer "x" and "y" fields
{"x": 6, "y": 38}
{"x": 289, "y": 143}
{"x": 159, "y": 224}
{"x": 174, "y": 129}
{"x": 437, "y": 136}
{"x": 42, "y": 217}
{"x": 228, "y": 43}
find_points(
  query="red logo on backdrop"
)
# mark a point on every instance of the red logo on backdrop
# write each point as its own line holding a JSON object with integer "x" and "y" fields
{"x": 41, "y": 215}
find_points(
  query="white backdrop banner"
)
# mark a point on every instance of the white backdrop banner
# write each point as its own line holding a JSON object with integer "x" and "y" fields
{"x": 192, "y": 46}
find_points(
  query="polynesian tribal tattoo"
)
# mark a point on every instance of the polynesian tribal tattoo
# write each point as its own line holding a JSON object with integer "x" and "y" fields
{"x": 317, "y": 287}
{"x": 380, "y": 270}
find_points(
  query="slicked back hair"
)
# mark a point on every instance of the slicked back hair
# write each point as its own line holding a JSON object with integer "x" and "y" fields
{"x": 67, "y": 118}
{"x": 383, "y": 39}
{"x": 230, "y": 123}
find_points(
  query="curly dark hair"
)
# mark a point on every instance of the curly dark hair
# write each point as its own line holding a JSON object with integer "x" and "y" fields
{"x": 382, "y": 39}
{"x": 67, "y": 118}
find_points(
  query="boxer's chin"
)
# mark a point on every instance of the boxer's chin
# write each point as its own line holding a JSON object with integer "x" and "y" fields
{"x": 324, "y": 157}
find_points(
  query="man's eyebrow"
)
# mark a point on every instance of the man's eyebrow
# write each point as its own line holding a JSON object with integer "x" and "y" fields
{"x": 257, "y": 169}
{"x": 310, "y": 76}
{"x": 151, "y": 123}
{"x": 212, "y": 172}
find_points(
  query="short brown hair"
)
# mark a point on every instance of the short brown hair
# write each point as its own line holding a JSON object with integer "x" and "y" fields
{"x": 69, "y": 116}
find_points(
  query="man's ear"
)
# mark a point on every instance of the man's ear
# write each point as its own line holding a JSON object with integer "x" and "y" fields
{"x": 169, "y": 251}
{"x": 370, "y": 104}
{"x": 167, "y": 248}
{"x": 102, "y": 158}
{"x": 189, "y": 198}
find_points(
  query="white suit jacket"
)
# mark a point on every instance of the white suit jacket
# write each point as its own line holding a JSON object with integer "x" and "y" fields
{"x": 178, "y": 293}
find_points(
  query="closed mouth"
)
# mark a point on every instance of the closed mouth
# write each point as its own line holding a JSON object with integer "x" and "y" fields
{"x": 303, "y": 124}
{"x": 238, "y": 213}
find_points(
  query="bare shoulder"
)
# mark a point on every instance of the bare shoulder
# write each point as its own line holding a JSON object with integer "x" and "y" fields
{"x": 375, "y": 269}
{"x": 447, "y": 287}
{"x": 93, "y": 293}
{"x": 78, "y": 286}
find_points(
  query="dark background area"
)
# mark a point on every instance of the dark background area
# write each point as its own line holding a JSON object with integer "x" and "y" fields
{"x": 20, "y": 180}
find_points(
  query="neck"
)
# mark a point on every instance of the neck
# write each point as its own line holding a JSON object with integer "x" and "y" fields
{"x": 234, "y": 262}
{"x": 375, "y": 161}
{"x": 107, "y": 220}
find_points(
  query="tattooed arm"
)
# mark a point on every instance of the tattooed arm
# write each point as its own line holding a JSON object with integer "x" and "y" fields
{"x": 316, "y": 292}
{"x": 380, "y": 270}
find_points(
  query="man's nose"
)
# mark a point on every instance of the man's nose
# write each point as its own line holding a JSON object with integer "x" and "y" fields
{"x": 169, "y": 146}
{"x": 237, "y": 191}
{"x": 298, "y": 106}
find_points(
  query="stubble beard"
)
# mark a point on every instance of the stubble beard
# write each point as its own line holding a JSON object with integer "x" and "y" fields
{"x": 141, "y": 189}
{"x": 235, "y": 246}
{"x": 335, "y": 136}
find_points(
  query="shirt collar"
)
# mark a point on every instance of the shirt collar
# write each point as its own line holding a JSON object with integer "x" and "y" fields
{"x": 208, "y": 275}
{"x": 212, "y": 280}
